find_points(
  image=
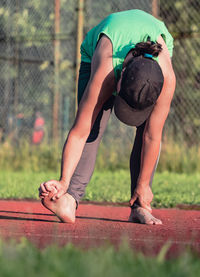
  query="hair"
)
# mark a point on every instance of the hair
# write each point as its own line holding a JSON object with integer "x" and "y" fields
{"x": 149, "y": 47}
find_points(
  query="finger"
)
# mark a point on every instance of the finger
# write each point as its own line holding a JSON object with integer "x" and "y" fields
{"x": 133, "y": 199}
{"x": 145, "y": 206}
{"x": 58, "y": 195}
{"x": 52, "y": 193}
{"x": 49, "y": 187}
{"x": 43, "y": 195}
{"x": 49, "y": 184}
{"x": 42, "y": 187}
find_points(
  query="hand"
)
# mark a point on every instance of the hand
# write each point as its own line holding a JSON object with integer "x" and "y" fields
{"x": 144, "y": 195}
{"x": 54, "y": 189}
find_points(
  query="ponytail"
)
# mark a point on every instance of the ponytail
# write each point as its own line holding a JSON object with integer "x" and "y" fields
{"x": 149, "y": 47}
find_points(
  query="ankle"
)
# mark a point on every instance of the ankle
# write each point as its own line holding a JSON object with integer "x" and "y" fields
{"x": 72, "y": 200}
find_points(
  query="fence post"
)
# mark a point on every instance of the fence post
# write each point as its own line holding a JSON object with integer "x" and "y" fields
{"x": 56, "y": 94}
{"x": 155, "y": 8}
{"x": 16, "y": 60}
{"x": 80, "y": 26}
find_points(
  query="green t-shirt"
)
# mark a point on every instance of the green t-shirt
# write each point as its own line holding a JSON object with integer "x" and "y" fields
{"x": 125, "y": 29}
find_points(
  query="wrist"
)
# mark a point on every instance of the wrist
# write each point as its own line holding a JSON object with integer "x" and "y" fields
{"x": 63, "y": 182}
{"x": 142, "y": 184}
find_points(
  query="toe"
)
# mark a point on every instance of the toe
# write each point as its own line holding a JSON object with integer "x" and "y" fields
{"x": 151, "y": 222}
{"x": 158, "y": 222}
{"x": 143, "y": 216}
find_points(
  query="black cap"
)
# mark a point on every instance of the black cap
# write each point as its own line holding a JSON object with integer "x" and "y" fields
{"x": 141, "y": 86}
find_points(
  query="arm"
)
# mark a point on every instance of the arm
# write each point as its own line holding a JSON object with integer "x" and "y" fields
{"x": 98, "y": 90}
{"x": 153, "y": 130}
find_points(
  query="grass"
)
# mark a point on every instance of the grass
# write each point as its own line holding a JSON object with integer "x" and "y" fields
{"x": 23, "y": 259}
{"x": 23, "y": 169}
{"x": 175, "y": 156}
{"x": 169, "y": 188}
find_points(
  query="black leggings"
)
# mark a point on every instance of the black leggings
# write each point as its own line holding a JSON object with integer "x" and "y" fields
{"x": 85, "y": 167}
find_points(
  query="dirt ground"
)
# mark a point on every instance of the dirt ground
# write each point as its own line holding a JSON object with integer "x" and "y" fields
{"x": 99, "y": 225}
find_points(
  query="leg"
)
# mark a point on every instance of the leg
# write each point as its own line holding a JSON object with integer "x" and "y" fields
{"x": 65, "y": 207}
{"x": 135, "y": 157}
{"x": 138, "y": 213}
{"x": 85, "y": 167}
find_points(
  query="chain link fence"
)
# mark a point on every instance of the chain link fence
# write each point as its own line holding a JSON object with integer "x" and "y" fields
{"x": 183, "y": 21}
{"x": 37, "y": 73}
{"x": 38, "y": 58}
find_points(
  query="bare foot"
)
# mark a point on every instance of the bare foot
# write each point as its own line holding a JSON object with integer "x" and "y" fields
{"x": 64, "y": 207}
{"x": 141, "y": 215}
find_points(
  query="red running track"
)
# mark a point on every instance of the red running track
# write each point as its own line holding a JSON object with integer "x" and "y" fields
{"x": 99, "y": 225}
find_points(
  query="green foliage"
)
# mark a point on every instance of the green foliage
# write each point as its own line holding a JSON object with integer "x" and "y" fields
{"x": 169, "y": 189}
{"x": 178, "y": 157}
{"x": 24, "y": 259}
{"x": 95, "y": 11}
{"x": 181, "y": 16}
{"x": 28, "y": 157}
{"x": 175, "y": 156}
{"x": 28, "y": 71}
{"x": 23, "y": 184}
{"x": 182, "y": 20}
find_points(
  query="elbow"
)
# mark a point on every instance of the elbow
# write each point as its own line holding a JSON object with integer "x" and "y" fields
{"x": 150, "y": 139}
{"x": 171, "y": 79}
{"x": 169, "y": 88}
{"x": 152, "y": 136}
